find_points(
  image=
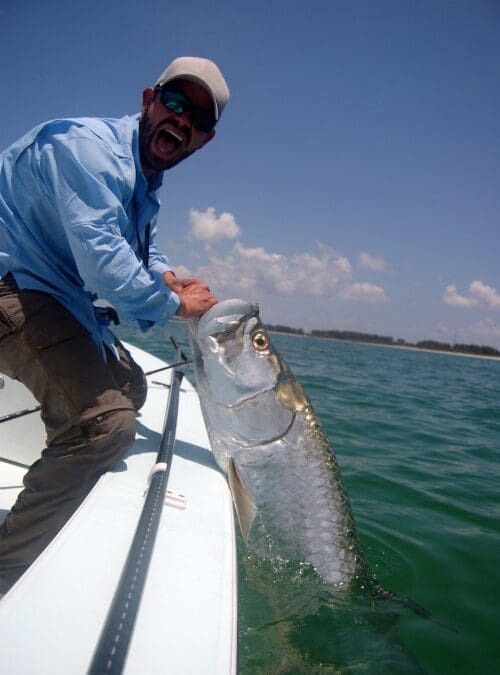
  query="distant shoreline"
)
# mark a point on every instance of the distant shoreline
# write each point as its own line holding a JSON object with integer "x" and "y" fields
{"x": 411, "y": 348}
{"x": 429, "y": 351}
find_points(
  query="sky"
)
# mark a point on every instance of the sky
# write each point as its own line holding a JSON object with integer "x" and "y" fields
{"x": 353, "y": 180}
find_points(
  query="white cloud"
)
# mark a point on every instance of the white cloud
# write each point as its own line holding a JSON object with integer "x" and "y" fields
{"x": 365, "y": 292}
{"x": 453, "y": 298}
{"x": 257, "y": 272}
{"x": 207, "y": 226}
{"x": 256, "y": 269}
{"x": 486, "y": 295}
{"x": 372, "y": 263}
{"x": 480, "y": 295}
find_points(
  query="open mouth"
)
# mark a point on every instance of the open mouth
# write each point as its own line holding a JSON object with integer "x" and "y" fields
{"x": 168, "y": 141}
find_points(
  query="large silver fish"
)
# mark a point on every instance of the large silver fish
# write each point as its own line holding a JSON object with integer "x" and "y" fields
{"x": 265, "y": 435}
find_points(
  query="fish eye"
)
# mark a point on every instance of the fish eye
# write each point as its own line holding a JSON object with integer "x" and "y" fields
{"x": 260, "y": 341}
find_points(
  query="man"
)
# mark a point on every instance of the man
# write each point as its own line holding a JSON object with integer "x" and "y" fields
{"x": 78, "y": 207}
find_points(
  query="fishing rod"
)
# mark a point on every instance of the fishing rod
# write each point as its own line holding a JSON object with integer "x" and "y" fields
{"x": 184, "y": 362}
{"x": 29, "y": 411}
{"x": 19, "y": 413}
{"x": 111, "y": 651}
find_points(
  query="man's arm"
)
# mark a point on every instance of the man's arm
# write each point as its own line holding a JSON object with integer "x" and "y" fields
{"x": 85, "y": 182}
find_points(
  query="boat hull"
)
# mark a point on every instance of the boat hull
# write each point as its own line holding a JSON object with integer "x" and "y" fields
{"x": 187, "y": 615}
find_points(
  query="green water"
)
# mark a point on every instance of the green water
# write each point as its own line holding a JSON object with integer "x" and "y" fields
{"x": 417, "y": 436}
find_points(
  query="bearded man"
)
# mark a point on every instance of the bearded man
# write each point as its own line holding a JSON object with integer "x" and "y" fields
{"x": 78, "y": 210}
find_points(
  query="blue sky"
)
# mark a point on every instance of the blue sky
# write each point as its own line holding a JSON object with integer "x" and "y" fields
{"x": 353, "y": 181}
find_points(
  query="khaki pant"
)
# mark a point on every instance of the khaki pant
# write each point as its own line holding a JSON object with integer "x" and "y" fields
{"x": 88, "y": 408}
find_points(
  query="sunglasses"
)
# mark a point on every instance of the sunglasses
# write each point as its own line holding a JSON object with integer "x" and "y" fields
{"x": 175, "y": 101}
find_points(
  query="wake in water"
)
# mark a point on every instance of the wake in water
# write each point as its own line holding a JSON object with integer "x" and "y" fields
{"x": 293, "y": 624}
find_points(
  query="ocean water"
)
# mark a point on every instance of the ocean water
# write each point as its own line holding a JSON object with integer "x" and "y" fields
{"x": 417, "y": 436}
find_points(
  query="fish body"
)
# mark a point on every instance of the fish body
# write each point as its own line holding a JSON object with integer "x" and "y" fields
{"x": 265, "y": 435}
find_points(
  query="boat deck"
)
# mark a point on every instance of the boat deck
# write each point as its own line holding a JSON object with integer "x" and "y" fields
{"x": 187, "y": 615}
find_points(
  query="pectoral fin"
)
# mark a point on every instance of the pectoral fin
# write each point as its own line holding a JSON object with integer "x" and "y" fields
{"x": 243, "y": 502}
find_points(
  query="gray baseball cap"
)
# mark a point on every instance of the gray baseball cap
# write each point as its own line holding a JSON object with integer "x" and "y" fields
{"x": 202, "y": 71}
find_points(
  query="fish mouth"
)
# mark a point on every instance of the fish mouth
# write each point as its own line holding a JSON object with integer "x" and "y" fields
{"x": 224, "y": 316}
{"x": 221, "y": 321}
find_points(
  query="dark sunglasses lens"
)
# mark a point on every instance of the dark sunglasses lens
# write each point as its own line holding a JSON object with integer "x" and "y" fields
{"x": 174, "y": 101}
{"x": 203, "y": 120}
{"x": 178, "y": 103}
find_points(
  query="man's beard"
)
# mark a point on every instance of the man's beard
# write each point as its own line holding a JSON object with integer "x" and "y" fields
{"x": 148, "y": 160}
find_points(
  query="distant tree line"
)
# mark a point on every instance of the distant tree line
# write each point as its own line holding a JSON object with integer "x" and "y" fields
{"x": 354, "y": 336}
{"x": 480, "y": 350}
{"x": 285, "y": 329}
{"x": 372, "y": 338}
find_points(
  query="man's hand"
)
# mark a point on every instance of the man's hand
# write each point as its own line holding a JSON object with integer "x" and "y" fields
{"x": 194, "y": 294}
{"x": 179, "y": 284}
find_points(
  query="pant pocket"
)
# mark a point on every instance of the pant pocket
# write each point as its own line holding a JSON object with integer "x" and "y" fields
{"x": 49, "y": 323}
{"x": 8, "y": 323}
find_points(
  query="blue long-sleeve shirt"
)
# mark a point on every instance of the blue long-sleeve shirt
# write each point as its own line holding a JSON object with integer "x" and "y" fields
{"x": 74, "y": 207}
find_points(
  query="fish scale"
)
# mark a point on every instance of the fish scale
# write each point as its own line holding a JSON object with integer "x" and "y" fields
{"x": 311, "y": 521}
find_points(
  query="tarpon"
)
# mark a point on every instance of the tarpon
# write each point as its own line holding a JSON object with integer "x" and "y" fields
{"x": 288, "y": 495}
{"x": 265, "y": 435}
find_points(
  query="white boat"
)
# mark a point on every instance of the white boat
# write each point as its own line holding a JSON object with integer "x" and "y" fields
{"x": 52, "y": 619}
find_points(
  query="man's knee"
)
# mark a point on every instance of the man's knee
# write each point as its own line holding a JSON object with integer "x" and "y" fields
{"x": 129, "y": 376}
{"x": 121, "y": 425}
{"x": 86, "y": 451}
{"x": 112, "y": 435}
{"x": 139, "y": 391}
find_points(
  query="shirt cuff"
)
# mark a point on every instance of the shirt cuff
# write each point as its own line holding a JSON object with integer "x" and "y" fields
{"x": 159, "y": 267}
{"x": 173, "y": 302}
